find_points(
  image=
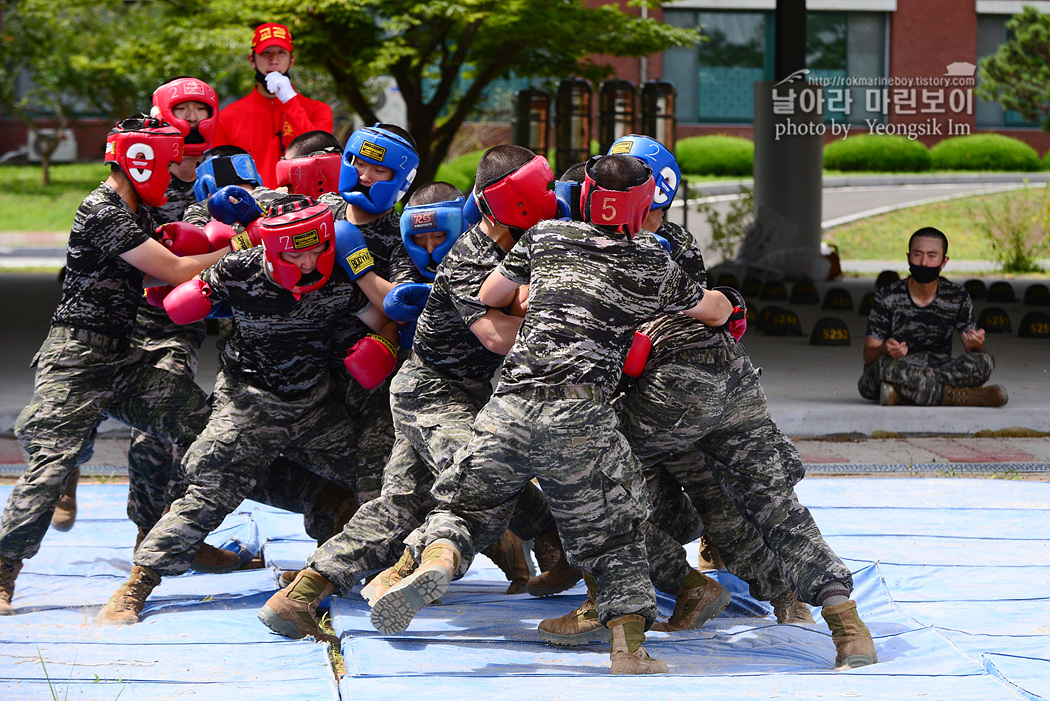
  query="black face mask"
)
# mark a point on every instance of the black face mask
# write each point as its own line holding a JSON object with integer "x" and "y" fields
{"x": 260, "y": 77}
{"x": 924, "y": 274}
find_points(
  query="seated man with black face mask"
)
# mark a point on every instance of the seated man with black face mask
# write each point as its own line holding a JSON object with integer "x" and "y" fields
{"x": 908, "y": 349}
{"x": 265, "y": 121}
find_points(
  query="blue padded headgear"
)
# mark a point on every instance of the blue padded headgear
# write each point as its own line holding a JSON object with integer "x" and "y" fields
{"x": 220, "y": 171}
{"x": 471, "y": 212}
{"x": 424, "y": 218}
{"x": 568, "y": 194}
{"x": 655, "y": 155}
{"x": 382, "y": 148}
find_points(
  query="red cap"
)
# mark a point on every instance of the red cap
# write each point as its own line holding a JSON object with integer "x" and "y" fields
{"x": 271, "y": 34}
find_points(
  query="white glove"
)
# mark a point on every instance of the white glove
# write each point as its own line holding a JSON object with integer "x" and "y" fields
{"x": 280, "y": 85}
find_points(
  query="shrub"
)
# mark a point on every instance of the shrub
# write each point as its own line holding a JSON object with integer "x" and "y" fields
{"x": 460, "y": 171}
{"x": 984, "y": 152}
{"x": 878, "y": 153}
{"x": 716, "y": 155}
{"x": 1016, "y": 226}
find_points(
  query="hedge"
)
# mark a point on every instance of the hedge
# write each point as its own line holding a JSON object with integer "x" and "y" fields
{"x": 984, "y": 152}
{"x": 716, "y": 155}
{"x": 460, "y": 171}
{"x": 877, "y": 153}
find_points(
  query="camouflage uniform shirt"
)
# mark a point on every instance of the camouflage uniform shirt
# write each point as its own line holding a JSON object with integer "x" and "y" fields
{"x": 443, "y": 338}
{"x": 589, "y": 291}
{"x": 101, "y": 291}
{"x": 278, "y": 343}
{"x": 894, "y": 314}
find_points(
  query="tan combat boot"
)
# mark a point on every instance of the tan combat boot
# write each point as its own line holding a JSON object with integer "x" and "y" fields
{"x": 888, "y": 395}
{"x": 393, "y": 611}
{"x": 127, "y": 602}
{"x": 292, "y": 613}
{"x": 381, "y": 583}
{"x": 710, "y": 558}
{"x": 988, "y": 395}
{"x": 853, "y": 643}
{"x": 556, "y": 574}
{"x": 788, "y": 610}
{"x": 699, "y": 600}
{"x": 66, "y": 509}
{"x": 9, "y": 570}
{"x": 626, "y": 651}
{"x": 213, "y": 560}
{"x": 577, "y": 627}
{"x": 507, "y": 554}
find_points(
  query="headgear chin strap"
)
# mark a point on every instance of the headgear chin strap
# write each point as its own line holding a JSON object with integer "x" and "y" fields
{"x": 311, "y": 175}
{"x": 294, "y": 228}
{"x": 446, "y": 217}
{"x": 624, "y": 209}
{"x": 665, "y": 168}
{"x": 143, "y": 148}
{"x": 382, "y": 148}
{"x": 521, "y": 197}
{"x": 197, "y": 138}
{"x": 220, "y": 171}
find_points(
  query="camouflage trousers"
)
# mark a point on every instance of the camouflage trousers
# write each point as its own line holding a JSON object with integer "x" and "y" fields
{"x": 921, "y": 377}
{"x": 702, "y": 417}
{"x": 433, "y": 417}
{"x": 248, "y": 426}
{"x": 290, "y": 486}
{"x": 566, "y": 438}
{"x": 83, "y": 378}
{"x": 370, "y": 411}
{"x": 153, "y": 478}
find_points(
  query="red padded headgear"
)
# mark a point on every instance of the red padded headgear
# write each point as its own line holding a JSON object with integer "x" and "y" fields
{"x": 624, "y": 209}
{"x": 143, "y": 148}
{"x": 197, "y": 139}
{"x": 311, "y": 175}
{"x": 300, "y": 226}
{"x": 522, "y": 197}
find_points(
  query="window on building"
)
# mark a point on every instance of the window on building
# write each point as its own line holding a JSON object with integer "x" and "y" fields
{"x": 715, "y": 79}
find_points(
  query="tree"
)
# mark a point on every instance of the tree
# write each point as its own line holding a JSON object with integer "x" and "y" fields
{"x": 1018, "y": 74}
{"x": 103, "y": 59}
{"x": 445, "y": 54}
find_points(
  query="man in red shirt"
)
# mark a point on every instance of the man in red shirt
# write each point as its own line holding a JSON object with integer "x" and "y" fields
{"x": 266, "y": 120}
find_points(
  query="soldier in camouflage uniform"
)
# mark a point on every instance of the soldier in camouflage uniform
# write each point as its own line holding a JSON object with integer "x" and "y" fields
{"x": 273, "y": 393}
{"x": 590, "y": 286}
{"x": 459, "y": 344}
{"x": 87, "y": 368}
{"x": 908, "y": 349}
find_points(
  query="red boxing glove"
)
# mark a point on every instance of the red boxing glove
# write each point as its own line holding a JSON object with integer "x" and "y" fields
{"x": 736, "y": 324}
{"x": 155, "y": 295}
{"x": 639, "y": 353}
{"x": 222, "y": 235}
{"x": 184, "y": 239}
{"x": 189, "y": 302}
{"x": 371, "y": 360}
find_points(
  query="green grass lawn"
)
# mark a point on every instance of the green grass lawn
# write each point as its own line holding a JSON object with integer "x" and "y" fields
{"x": 26, "y": 205}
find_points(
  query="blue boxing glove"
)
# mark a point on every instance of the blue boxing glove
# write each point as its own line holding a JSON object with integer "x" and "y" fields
{"x": 351, "y": 250}
{"x": 406, "y": 301}
{"x": 224, "y": 209}
{"x": 406, "y": 334}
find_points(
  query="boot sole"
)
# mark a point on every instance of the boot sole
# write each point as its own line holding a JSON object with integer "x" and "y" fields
{"x": 394, "y": 611}
{"x": 556, "y": 589}
{"x": 272, "y": 620}
{"x": 855, "y": 661}
{"x": 600, "y": 634}
{"x": 63, "y": 526}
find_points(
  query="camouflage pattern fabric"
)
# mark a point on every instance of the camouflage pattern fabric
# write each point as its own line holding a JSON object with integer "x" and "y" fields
{"x": 721, "y": 427}
{"x": 180, "y": 198}
{"x": 81, "y": 379}
{"x": 590, "y": 479}
{"x": 279, "y": 344}
{"x": 443, "y": 337}
{"x": 895, "y": 315}
{"x": 101, "y": 292}
{"x": 248, "y": 425}
{"x": 920, "y": 376}
{"x": 290, "y": 486}
{"x": 585, "y": 283}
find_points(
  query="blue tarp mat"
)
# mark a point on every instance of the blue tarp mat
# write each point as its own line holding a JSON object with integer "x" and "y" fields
{"x": 951, "y": 575}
